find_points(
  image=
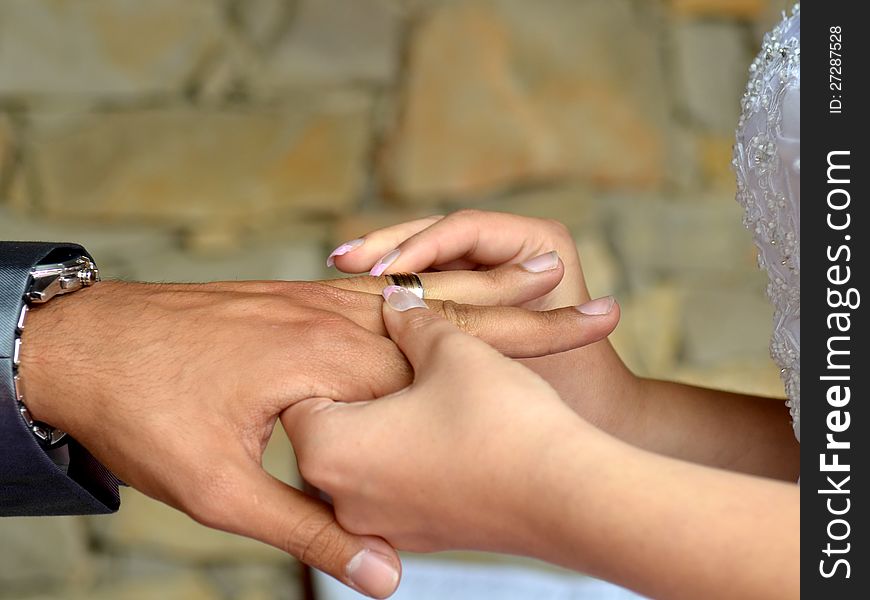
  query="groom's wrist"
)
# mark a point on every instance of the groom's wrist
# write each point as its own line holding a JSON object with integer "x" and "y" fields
{"x": 60, "y": 350}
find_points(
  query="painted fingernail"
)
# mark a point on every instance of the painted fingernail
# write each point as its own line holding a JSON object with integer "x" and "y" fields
{"x": 401, "y": 299}
{"x": 599, "y": 306}
{"x": 344, "y": 249}
{"x": 386, "y": 260}
{"x": 544, "y": 262}
{"x": 373, "y": 573}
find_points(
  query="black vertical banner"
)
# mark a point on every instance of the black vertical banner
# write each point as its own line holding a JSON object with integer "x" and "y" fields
{"x": 835, "y": 423}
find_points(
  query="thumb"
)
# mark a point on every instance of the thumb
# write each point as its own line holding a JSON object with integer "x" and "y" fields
{"x": 423, "y": 335}
{"x": 275, "y": 513}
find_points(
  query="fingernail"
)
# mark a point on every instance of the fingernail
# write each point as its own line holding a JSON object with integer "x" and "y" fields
{"x": 599, "y": 306}
{"x": 381, "y": 266}
{"x": 373, "y": 573}
{"x": 343, "y": 249}
{"x": 544, "y": 262}
{"x": 401, "y": 299}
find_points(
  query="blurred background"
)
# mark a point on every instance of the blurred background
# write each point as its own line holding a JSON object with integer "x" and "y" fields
{"x": 234, "y": 139}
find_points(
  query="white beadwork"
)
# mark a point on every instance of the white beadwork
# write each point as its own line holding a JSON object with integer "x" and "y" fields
{"x": 767, "y": 164}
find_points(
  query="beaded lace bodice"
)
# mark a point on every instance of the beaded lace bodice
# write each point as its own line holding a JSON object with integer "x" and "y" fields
{"x": 767, "y": 164}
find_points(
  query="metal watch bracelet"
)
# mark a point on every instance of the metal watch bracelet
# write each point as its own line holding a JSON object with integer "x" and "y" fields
{"x": 46, "y": 282}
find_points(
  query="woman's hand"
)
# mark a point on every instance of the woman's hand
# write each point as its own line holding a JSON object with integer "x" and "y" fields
{"x": 471, "y": 240}
{"x": 444, "y": 463}
{"x": 696, "y": 424}
{"x": 593, "y": 380}
{"x": 480, "y": 453}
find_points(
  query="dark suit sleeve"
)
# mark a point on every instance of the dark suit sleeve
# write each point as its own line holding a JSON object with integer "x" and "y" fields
{"x": 30, "y": 482}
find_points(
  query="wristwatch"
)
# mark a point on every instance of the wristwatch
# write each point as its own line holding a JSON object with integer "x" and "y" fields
{"x": 45, "y": 282}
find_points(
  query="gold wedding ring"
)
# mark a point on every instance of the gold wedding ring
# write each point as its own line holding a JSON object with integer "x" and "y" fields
{"x": 409, "y": 281}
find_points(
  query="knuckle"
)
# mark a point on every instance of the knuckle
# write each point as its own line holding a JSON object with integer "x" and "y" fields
{"x": 258, "y": 306}
{"x": 549, "y": 320}
{"x": 492, "y": 280}
{"x": 322, "y": 332}
{"x": 316, "y": 540}
{"x": 212, "y": 504}
{"x": 460, "y": 315}
{"x": 553, "y": 330}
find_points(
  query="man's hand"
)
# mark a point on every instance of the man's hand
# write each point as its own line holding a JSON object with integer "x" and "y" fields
{"x": 447, "y": 462}
{"x": 177, "y": 388}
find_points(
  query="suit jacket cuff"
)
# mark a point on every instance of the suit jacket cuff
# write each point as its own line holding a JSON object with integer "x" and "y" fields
{"x": 30, "y": 483}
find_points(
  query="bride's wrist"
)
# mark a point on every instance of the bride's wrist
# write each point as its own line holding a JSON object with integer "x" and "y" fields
{"x": 629, "y": 418}
{"x": 619, "y": 404}
{"x": 573, "y": 471}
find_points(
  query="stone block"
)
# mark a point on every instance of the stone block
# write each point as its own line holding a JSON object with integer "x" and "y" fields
{"x": 16, "y": 190}
{"x": 8, "y": 168}
{"x": 189, "y": 586}
{"x": 710, "y": 61}
{"x": 5, "y": 144}
{"x": 697, "y": 237}
{"x": 724, "y": 325}
{"x": 574, "y": 206}
{"x": 652, "y": 318}
{"x": 185, "y": 166}
{"x": 103, "y": 49}
{"x": 42, "y": 552}
{"x": 749, "y": 10}
{"x": 262, "y": 21}
{"x": 332, "y": 42}
{"x": 117, "y": 249}
{"x": 759, "y": 377}
{"x": 183, "y": 587}
{"x": 500, "y": 93}
{"x": 290, "y": 259}
{"x": 224, "y": 79}
{"x": 600, "y": 268}
{"x": 684, "y": 169}
{"x": 259, "y": 582}
{"x": 715, "y": 158}
{"x": 350, "y": 227}
{"x": 148, "y": 527}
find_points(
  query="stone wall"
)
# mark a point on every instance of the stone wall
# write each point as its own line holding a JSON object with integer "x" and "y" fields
{"x": 223, "y": 139}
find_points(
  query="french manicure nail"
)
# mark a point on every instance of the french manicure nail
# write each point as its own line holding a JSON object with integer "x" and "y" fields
{"x": 544, "y": 262}
{"x": 373, "y": 573}
{"x": 597, "y": 307}
{"x": 401, "y": 299}
{"x": 344, "y": 249}
{"x": 386, "y": 260}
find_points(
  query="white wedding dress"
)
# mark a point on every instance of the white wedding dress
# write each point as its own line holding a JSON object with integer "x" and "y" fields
{"x": 768, "y": 167}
